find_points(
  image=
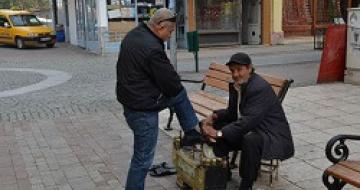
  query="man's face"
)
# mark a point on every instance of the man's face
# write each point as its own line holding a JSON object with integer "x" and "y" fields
{"x": 165, "y": 29}
{"x": 240, "y": 73}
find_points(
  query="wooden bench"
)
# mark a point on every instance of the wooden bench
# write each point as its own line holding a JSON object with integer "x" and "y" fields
{"x": 205, "y": 102}
{"x": 343, "y": 171}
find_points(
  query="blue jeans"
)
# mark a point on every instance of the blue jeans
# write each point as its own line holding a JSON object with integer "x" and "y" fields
{"x": 145, "y": 128}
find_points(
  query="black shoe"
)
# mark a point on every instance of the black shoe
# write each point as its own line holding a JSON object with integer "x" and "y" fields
{"x": 191, "y": 138}
{"x": 246, "y": 185}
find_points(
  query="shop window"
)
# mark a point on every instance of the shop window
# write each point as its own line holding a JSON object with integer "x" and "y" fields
{"x": 218, "y": 14}
{"x": 122, "y": 15}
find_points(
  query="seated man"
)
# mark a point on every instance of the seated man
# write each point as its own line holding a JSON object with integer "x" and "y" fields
{"x": 254, "y": 122}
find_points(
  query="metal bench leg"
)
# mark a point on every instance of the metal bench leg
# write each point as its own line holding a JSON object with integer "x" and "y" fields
{"x": 171, "y": 117}
{"x": 336, "y": 183}
{"x": 274, "y": 170}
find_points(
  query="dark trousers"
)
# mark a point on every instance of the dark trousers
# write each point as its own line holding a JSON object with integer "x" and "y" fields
{"x": 251, "y": 146}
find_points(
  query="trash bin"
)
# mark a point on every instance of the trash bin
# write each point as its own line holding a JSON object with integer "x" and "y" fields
{"x": 193, "y": 41}
{"x": 333, "y": 56}
{"x": 60, "y": 33}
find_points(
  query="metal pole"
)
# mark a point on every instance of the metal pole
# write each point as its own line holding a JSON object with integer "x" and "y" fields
{"x": 55, "y": 12}
{"x": 196, "y": 61}
{"x": 173, "y": 43}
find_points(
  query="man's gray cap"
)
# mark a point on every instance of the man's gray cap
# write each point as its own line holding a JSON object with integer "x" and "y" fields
{"x": 162, "y": 15}
{"x": 239, "y": 59}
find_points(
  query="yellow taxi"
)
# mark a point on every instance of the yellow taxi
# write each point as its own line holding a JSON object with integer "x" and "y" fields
{"x": 22, "y": 28}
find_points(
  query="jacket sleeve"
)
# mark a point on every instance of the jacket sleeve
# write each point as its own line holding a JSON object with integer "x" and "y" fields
{"x": 164, "y": 74}
{"x": 256, "y": 107}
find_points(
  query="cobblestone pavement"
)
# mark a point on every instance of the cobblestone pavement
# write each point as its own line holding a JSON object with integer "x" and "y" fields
{"x": 73, "y": 136}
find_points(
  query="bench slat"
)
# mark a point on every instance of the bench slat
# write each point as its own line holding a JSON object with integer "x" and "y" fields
{"x": 348, "y": 175}
{"x": 219, "y": 75}
{"x": 352, "y": 164}
{"x": 216, "y": 83}
{"x": 213, "y": 96}
{"x": 273, "y": 81}
{"x": 206, "y": 102}
{"x": 220, "y": 67}
{"x": 201, "y": 110}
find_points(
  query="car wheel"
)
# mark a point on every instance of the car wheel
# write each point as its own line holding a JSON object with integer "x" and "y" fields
{"x": 20, "y": 43}
{"x": 50, "y": 45}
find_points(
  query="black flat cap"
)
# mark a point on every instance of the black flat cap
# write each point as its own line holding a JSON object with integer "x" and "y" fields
{"x": 239, "y": 59}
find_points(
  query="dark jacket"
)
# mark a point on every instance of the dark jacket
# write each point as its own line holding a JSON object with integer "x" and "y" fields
{"x": 261, "y": 112}
{"x": 144, "y": 73}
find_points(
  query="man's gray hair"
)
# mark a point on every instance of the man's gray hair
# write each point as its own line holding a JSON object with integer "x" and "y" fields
{"x": 162, "y": 15}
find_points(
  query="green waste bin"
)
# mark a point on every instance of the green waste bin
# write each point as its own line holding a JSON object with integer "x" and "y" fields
{"x": 193, "y": 46}
{"x": 193, "y": 41}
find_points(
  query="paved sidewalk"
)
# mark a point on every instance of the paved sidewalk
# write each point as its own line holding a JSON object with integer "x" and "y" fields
{"x": 92, "y": 151}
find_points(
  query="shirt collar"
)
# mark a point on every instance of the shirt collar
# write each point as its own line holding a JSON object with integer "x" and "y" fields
{"x": 237, "y": 87}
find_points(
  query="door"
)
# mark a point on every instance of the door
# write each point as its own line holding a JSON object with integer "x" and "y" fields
{"x": 80, "y": 22}
{"x": 251, "y": 22}
{"x": 92, "y": 29}
{"x": 87, "y": 25}
{"x": 5, "y": 37}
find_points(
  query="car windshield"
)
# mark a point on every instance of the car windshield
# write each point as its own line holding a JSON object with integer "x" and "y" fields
{"x": 25, "y": 20}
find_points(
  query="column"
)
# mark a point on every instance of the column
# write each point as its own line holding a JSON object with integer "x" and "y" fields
{"x": 277, "y": 34}
{"x": 102, "y": 23}
{"x": 72, "y": 22}
{"x": 266, "y": 22}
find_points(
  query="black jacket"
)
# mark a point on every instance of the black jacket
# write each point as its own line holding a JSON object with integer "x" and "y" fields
{"x": 145, "y": 76}
{"x": 261, "y": 112}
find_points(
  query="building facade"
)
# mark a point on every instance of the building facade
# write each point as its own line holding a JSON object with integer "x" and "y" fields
{"x": 99, "y": 26}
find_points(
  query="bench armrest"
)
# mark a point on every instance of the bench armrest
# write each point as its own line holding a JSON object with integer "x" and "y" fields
{"x": 337, "y": 150}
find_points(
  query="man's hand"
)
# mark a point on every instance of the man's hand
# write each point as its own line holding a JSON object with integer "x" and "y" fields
{"x": 210, "y": 119}
{"x": 209, "y": 131}
{"x": 207, "y": 127}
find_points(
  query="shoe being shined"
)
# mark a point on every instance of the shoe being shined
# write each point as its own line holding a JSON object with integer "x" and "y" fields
{"x": 191, "y": 138}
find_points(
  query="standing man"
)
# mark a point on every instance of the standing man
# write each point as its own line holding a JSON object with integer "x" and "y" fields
{"x": 146, "y": 84}
{"x": 254, "y": 122}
